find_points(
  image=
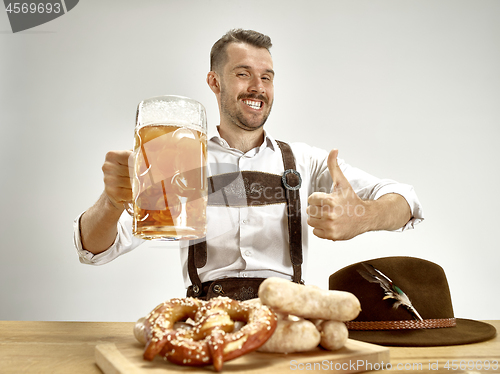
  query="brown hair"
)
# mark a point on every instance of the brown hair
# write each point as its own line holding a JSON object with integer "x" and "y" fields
{"x": 254, "y": 38}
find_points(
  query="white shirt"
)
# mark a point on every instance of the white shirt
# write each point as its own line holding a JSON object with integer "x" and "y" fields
{"x": 252, "y": 241}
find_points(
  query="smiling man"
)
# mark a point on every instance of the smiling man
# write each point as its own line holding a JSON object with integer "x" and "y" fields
{"x": 242, "y": 80}
{"x": 284, "y": 188}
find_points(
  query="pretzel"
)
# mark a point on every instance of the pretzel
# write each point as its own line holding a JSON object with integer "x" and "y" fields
{"x": 212, "y": 338}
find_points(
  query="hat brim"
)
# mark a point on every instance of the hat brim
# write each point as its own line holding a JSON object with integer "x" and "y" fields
{"x": 466, "y": 331}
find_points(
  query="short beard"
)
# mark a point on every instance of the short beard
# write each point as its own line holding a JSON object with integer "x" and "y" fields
{"x": 236, "y": 117}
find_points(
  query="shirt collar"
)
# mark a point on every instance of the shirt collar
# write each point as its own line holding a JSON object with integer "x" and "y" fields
{"x": 269, "y": 141}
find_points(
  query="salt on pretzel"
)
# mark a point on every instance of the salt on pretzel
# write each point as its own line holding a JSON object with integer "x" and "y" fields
{"x": 308, "y": 302}
{"x": 211, "y": 340}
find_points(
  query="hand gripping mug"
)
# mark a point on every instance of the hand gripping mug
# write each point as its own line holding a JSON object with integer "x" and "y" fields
{"x": 169, "y": 182}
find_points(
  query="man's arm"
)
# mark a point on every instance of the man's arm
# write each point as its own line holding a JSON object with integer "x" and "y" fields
{"x": 389, "y": 212}
{"x": 98, "y": 225}
{"x": 342, "y": 215}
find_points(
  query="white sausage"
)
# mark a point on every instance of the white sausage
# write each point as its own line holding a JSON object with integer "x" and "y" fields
{"x": 334, "y": 334}
{"x": 139, "y": 331}
{"x": 308, "y": 301}
{"x": 293, "y": 334}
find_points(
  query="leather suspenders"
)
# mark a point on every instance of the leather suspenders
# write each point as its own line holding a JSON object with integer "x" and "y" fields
{"x": 243, "y": 195}
{"x": 291, "y": 182}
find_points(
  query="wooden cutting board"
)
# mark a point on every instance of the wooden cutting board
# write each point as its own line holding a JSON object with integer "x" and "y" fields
{"x": 354, "y": 357}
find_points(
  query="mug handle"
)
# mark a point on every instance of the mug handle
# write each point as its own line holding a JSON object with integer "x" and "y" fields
{"x": 129, "y": 207}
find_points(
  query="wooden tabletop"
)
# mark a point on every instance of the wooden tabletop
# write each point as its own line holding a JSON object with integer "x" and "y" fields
{"x": 69, "y": 348}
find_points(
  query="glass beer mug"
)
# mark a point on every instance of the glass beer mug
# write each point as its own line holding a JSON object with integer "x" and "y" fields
{"x": 169, "y": 182}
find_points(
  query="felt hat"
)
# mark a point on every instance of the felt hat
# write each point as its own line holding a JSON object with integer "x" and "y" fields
{"x": 430, "y": 323}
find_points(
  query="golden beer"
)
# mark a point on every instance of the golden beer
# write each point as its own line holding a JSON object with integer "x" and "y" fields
{"x": 169, "y": 183}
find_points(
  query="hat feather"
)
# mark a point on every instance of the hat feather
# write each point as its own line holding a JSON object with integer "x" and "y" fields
{"x": 391, "y": 291}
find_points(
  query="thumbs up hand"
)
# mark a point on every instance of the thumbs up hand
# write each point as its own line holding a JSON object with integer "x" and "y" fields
{"x": 341, "y": 214}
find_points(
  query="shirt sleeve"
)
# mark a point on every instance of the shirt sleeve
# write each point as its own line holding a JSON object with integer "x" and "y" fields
{"x": 124, "y": 242}
{"x": 368, "y": 187}
{"x": 365, "y": 185}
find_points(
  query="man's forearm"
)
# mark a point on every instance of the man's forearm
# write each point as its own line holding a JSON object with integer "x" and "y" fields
{"x": 389, "y": 212}
{"x": 98, "y": 225}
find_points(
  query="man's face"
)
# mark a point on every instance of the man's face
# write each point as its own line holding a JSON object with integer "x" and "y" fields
{"x": 247, "y": 90}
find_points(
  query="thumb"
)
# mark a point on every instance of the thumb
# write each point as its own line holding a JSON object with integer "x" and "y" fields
{"x": 334, "y": 168}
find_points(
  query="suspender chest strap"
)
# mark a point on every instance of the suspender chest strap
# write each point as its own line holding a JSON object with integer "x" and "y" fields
{"x": 244, "y": 191}
{"x": 291, "y": 181}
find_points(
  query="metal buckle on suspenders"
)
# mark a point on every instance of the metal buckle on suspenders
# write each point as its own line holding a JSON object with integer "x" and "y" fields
{"x": 285, "y": 182}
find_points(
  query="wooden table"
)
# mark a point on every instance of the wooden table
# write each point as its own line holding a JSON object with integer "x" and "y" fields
{"x": 69, "y": 348}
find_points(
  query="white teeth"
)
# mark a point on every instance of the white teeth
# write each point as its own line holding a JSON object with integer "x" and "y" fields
{"x": 252, "y": 104}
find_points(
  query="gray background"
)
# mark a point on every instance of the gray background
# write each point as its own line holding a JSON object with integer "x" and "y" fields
{"x": 408, "y": 90}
